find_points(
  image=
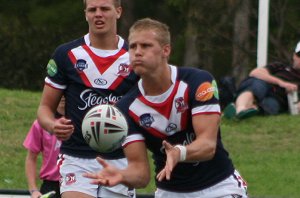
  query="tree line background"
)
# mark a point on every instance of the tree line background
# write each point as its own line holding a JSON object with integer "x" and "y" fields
{"x": 217, "y": 35}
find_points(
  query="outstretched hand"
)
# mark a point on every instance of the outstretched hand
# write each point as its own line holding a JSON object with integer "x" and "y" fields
{"x": 108, "y": 176}
{"x": 173, "y": 156}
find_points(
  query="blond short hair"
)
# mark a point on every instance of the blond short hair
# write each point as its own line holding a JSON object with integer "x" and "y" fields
{"x": 162, "y": 30}
{"x": 117, "y": 3}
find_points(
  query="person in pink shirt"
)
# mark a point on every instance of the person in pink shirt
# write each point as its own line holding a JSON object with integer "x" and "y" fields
{"x": 39, "y": 141}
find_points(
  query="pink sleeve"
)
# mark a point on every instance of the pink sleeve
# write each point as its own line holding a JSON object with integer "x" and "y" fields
{"x": 33, "y": 140}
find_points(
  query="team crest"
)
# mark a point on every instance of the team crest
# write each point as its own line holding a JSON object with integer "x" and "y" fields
{"x": 124, "y": 69}
{"x": 81, "y": 65}
{"x": 146, "y": 120}
{"x": 70, "y": 178}
{"x": 180, "y": 105}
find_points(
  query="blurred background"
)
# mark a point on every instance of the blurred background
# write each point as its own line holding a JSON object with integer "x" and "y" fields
{"x": 217, "y": 35}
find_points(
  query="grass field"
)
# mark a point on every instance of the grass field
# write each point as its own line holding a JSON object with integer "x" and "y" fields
{"x": 265, "y": 150}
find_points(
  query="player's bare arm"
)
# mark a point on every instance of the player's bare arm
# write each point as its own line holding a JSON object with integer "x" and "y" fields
{"x": 201, "y": 149}
{"x": 136, "y": 175}
{"x": 62, "y": 128}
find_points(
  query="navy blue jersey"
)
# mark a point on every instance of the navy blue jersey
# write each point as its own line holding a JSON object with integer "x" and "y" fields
{"x": 169, "y": 117}
{"x": 89, "y": 77}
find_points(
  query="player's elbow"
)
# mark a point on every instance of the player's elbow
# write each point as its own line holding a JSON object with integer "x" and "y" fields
{"x": 144, "y": 180}
{"x": 211, "y": 153}
{"x": 210, "y": 150}
{"x": 138, "y": 178}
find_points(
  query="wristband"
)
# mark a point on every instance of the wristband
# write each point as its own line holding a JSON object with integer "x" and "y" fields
{"x": 34, "y": 190}
{"x": 182, "y": 150}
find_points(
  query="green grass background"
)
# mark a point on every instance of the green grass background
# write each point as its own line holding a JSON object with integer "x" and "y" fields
{"x": 265, "y": 149}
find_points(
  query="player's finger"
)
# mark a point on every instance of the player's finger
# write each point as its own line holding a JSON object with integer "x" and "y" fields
{"x": 102, "y": 162}
{"x": 66, "y": 121}
{"x": 161, "y": 175}
{"x": 90, "y": 175}
{"x": 103, "y": 182}
{"x": 63, "y": 135}
{"x": 167, "y": 145}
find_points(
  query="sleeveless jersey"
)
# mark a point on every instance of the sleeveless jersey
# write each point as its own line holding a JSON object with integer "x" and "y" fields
{"x": 169, "y": 117}
{"x": 89, "y": 77}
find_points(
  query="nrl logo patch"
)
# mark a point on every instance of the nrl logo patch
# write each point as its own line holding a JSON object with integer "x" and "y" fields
{"x": 146, "y": 120}
{"x": 81, "y": 65}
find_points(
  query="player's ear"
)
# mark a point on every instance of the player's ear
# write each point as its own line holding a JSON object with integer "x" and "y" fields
{"x": 167, "y": 50}
{"x": 119, "y": 12}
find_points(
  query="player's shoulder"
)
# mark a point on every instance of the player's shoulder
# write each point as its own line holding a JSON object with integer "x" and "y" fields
{"x": 194, "y": 73}
{"x": 65, "y": 47}
{"x": 129, "y": 97}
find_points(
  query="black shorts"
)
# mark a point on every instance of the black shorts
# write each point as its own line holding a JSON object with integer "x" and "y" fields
{"x": 48, "y": 186}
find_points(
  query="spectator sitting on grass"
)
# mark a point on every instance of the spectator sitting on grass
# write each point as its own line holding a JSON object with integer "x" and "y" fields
{"x": 265, "y": 90}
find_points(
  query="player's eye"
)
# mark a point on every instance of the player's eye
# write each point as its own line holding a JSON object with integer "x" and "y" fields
{"x": 91, "y": 9}
{"x": 132, "y": 46}
{"x": 146, "y": 45}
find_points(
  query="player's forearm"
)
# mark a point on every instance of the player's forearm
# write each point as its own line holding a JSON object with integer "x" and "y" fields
{"x": 200, "y": 150}
{"x": 136, "y": 176}
{"x": 46, "y": 118}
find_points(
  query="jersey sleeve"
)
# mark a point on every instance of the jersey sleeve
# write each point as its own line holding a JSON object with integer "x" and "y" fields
{"x": 55, "y": 69}
{"x": 203, "y": 94}
{"x": 33, "y": 140}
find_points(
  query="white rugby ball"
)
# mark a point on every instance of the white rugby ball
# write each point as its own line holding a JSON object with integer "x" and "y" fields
{"x": 104, "y": 128}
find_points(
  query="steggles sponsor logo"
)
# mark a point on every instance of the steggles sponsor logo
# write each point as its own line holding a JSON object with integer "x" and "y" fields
{"x": 90, "y": 99}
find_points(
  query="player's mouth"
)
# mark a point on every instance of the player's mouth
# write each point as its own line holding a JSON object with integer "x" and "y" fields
{"x": 137, "y": 62}
{"x": 99, "y": 23}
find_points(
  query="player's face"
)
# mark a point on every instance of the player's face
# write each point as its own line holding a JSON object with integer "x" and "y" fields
{"x": 146, "y": 54}
{"x": 102, "y": 16}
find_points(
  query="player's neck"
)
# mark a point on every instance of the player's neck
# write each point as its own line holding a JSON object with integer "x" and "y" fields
{"x": 104, "y": 41}
{"x": 158, "y": 83}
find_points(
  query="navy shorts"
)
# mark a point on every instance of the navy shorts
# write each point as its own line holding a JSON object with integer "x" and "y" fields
{"x": 48, "y": 186}
{"x": 263, "y": 92}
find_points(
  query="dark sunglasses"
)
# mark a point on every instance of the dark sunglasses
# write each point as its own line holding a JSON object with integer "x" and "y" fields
{"x": 298, "y": 54}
